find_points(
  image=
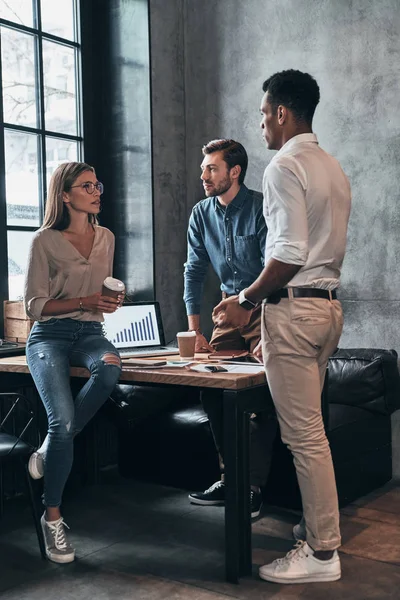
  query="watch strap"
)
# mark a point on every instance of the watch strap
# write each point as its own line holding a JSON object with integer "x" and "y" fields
{"x": 245, "y": 302}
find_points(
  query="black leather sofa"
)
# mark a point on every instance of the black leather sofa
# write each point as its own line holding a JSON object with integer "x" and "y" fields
{"x": 363, "y": 391}
{"x": 164, "y": 436}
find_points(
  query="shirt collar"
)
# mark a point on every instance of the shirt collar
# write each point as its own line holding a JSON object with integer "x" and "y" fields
{"x": 238, "y": 200}
{"x": 302, "y": 138}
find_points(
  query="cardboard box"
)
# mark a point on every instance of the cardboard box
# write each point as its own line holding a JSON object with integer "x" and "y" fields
{"x": 16, "y": 324}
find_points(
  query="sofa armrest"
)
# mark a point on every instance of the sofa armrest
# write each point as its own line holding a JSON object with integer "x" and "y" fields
{"x": 365, "y": 377}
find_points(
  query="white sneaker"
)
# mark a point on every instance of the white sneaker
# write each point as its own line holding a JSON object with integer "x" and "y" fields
{"x": 58, "y": 548}
{"x": 35, "y": 465}
{"x": 300, "y": 566}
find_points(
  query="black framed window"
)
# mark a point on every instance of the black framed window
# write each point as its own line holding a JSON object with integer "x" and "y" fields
{"x": 41, "y": 107}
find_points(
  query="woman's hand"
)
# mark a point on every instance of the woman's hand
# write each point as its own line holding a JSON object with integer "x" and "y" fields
{"x": 99, "y": 303}
{"x": 121, "y": 299}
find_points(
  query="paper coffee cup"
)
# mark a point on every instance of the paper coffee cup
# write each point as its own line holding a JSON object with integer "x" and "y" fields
{"x": 112, "y": 287}
{"x": 186, "y": 344}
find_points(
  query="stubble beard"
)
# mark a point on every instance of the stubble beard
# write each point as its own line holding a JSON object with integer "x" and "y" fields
{"x": 220, "y": 189}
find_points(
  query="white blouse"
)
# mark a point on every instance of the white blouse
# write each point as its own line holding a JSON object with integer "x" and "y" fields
{"x": 58, "y": 271}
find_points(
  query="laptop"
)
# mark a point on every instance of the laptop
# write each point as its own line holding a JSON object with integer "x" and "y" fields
{"x": 11, "y": 349}
{"x": 136, "y": 330}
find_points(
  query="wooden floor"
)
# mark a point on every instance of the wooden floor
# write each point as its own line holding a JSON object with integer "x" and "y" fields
{"x": 139, "y": 541}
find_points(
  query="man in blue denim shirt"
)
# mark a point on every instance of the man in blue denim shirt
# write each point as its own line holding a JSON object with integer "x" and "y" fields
{"x": 227, "y": 229}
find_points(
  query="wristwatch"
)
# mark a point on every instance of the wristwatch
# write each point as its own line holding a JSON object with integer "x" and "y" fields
{"x": 244, "y": 302}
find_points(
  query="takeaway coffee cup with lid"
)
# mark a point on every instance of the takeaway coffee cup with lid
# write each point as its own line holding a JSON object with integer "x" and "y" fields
{"x": 112, "y": 287}
{"x": 186, "y": 344}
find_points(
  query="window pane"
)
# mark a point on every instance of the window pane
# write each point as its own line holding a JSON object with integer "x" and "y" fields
{"x": 58, "y": 18}
{"x": 57, "y": 152}
{"x": 59, "y": 88}
{"x": 18, "y": 11}
{"x": 19, "y": 81}
{"x": 18, "y": 250}
{"x": 22, "y": 182}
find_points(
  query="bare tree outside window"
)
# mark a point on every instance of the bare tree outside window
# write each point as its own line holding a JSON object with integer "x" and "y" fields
{"x": 59, "y": 87}
{"x": 58, "y": 18}
{"x": 17, "y": 11}
{"x": 19, "y": 77}
{"x": 41, "y": 114}
{"x": 22, "y": 178}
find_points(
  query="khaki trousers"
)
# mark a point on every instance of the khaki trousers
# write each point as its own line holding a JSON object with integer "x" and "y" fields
{"x": 298, "y": 336}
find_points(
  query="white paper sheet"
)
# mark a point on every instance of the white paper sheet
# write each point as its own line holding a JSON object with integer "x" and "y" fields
{"x": 126, "y": 365}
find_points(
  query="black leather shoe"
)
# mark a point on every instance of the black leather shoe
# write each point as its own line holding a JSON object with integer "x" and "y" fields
{"x": 255, "y": 503}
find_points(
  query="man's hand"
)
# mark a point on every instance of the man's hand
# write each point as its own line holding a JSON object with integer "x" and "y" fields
{"x": 229, "y": 312}
{"x": 201, "y": 344}
{"x": 257, "y": 352}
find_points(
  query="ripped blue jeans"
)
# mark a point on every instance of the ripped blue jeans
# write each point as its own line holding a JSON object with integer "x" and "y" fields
{"x": 53, "y": 346}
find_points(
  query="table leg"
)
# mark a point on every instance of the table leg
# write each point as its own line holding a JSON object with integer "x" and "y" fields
{"x": 237, "y": 488}
{"x": 231, "y": 461}
{"x": 244, "y": 493}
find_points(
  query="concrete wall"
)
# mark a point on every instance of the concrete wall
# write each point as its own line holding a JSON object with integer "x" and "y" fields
{"x": 169, "y": 158}
{"x": 116, "y": 92}
{"x": 352, "y": 48}
{"x": 130, "y": 146}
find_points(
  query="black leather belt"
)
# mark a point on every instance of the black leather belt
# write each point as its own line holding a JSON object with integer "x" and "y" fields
{"x": 275, "y": 298}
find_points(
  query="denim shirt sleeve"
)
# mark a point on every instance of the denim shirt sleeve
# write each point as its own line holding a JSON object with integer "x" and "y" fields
{"x": 262, "y": 234}
{"x": 196, "y": 266}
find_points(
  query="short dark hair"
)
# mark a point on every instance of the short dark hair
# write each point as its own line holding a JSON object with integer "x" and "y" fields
{"x": 298, "y": 91}
{"x": 233, "y": 153}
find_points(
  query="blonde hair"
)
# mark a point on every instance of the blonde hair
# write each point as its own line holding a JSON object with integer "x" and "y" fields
{"x": 57, "y": 215}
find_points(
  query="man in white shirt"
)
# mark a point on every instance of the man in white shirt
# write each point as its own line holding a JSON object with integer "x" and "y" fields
{"x": 306, "y": 206}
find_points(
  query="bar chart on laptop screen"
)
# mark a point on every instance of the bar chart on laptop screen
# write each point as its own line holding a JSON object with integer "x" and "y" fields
{"x": 132, "y": 326}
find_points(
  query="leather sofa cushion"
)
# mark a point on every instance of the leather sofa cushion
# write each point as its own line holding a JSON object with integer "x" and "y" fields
{"x": 193, "y": 415}
{"x": 356, "y": 432}
{"x": 365, "y": 377}
{"x": 137, "y": 403}
{"x": 340, "y": 415}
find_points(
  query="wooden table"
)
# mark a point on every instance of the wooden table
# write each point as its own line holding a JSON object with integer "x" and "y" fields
{"x": 243, "y": 394}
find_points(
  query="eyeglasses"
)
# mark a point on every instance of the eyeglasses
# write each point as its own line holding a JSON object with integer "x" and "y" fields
{"x": 90, "y": 187}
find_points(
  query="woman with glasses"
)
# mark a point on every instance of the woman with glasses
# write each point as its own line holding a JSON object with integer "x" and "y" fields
{"x": 69, "y": 259}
